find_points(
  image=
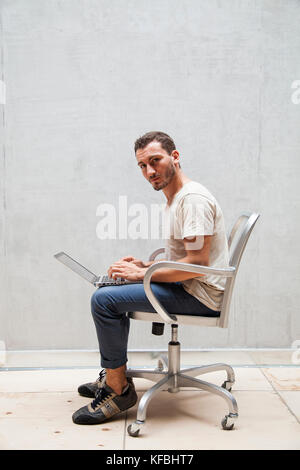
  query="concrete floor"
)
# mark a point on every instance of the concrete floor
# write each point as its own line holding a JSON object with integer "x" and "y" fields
{"x": 38, "y": 394}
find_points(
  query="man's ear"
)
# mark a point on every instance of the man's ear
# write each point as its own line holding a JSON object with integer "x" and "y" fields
{"x": 175, "y": 155}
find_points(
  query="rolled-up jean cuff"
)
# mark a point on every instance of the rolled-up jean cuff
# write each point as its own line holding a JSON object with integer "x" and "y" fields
{"x": 113, "y": 364}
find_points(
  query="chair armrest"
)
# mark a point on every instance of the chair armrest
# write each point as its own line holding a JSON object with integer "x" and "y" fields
{"x": 196, "y": 268}
{"x": 156, "y": 253}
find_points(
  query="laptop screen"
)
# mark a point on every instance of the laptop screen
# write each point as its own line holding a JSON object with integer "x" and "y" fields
{"x": 76, "y": 267}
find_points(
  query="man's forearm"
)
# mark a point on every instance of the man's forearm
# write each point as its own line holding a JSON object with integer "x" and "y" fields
{"x": 171, "y": 275}
{"x": 149, "y": 263}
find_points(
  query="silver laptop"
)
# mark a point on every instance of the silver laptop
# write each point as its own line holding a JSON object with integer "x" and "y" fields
{"x": 98, "y": 281}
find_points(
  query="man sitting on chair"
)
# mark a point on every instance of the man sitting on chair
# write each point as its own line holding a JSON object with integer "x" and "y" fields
{"x": 196, "y": 236}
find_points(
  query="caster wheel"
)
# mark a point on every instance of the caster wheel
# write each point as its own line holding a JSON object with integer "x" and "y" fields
{"x": 228, "y": 422}
{"x": 227, "y": 385}
{"x": 133, "y": 430}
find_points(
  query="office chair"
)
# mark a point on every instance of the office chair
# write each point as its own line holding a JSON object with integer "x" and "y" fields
{"x": 168, "y": 372}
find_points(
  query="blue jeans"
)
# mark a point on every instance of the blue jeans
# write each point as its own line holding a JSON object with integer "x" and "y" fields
{"x": 110, "y": 304}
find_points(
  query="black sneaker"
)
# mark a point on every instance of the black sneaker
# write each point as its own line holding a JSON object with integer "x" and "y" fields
{"x": 90, "y": 389}
{"x": 106, "y": 404}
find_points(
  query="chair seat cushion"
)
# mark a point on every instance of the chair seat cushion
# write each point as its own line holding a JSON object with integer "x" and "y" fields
{"x": 180, "y": 319}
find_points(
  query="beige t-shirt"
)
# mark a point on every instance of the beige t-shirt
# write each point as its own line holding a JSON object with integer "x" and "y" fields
{"x": 195, "y": 212}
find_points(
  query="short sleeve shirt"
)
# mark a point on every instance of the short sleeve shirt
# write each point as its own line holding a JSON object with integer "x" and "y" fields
{"x": 195, "y": 212}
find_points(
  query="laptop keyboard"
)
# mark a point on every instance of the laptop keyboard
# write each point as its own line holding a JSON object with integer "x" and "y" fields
{"x": 110, "y": 281}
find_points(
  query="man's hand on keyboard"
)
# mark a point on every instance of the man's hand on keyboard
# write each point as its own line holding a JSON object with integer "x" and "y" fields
{"x": 126, "y": 270}
{"x": 131, "y": 259}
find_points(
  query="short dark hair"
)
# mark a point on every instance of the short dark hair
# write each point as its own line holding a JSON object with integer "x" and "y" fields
{"x": 165, "y": 140}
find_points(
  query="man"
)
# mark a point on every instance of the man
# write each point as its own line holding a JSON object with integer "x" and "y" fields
{"x": 196, "y": 236}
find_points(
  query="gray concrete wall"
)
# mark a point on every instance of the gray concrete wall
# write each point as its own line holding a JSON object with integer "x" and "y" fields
{"x": 84, "y": 79}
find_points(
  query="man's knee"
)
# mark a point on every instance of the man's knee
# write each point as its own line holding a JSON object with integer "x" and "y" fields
{"x": 100, "y": 299}
{"x": 97, "y": 300}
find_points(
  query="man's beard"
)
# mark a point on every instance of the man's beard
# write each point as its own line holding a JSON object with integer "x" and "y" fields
{"x": 170, "y": 172}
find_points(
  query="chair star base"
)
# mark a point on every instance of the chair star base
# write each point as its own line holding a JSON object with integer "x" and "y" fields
{"x": 173, "y": 379}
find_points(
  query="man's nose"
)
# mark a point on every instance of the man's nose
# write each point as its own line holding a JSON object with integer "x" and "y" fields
{"x": 150, "y": 171}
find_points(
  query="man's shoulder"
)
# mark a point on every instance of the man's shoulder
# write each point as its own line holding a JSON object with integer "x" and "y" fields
{"x": 193, "y": 191}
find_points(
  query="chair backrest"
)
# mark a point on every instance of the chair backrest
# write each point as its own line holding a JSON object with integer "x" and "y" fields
{"x": 237, "y": 242}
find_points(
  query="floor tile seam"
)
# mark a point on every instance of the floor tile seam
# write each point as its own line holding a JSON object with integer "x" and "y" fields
{"x": 146, "y": 368}
{"x": 207, "y": 391}
{"x": 280, "y": 397}
{"x": 287, "y": 406}
{"x": 285, "y": 403}
{"x": 40, "y": 391}
{"x": 148, "y": 350}
{"x": 53, "y": 392}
